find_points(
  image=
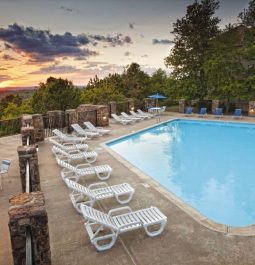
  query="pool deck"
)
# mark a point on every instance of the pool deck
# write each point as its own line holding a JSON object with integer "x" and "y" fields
{"x": 184, "y": 240}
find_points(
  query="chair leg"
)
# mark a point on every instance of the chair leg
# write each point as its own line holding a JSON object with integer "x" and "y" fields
{"x": 156, "y": 232}
{"x": 102, "y": 175}
{"x": 123, "y": 201}
{"x": 1, "y": 186}
{"x": 96, "y": 242}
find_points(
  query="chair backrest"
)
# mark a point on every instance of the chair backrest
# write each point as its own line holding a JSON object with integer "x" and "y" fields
{"x": 78, "y": 187}
{"x": 124, "y": 114}
{"x": 203, "y": 110}
{"x": 89, "y": 125}
{"x": 218, "y": 111}
{"x": 5, "y": 164}
{"x": 98, "y": 217}
{"x": 116, "y": 117}
{"x": 59, "y": 134}
{"x": 238, "y": 112}
{"x": 66, "y": 165}
{"x": 163, "y": 108}
{"x": 189, "y": 110}
{"x": 59, "y": 150}
{"x": 77, "y": 127}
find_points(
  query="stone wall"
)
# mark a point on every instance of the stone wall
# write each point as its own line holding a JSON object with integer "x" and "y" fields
{"x": 39, "y": 127}
{"x": 251, "y": 111}
{"x": 182, "y": 106}
{"x": 27, "y": 212}
{"x": 215, "y": 104}
{"x": 27, "y": 132}
{"x": 113, "y": 107}
{"x": 29, "y": 153}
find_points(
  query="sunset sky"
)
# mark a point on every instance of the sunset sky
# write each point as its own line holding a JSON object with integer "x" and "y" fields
{"x": 77, "y": 39}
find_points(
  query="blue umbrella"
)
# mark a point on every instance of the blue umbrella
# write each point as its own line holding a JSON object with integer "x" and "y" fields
{"x": 157, "y": 96}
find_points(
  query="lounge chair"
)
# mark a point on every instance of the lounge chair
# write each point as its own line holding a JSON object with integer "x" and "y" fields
{"x": 237, "y": 114}
{"x": 121, "y": 119}
{"x": 202, "y": 112}
{"x": 89, "y": 157}
{"x": 143, "y": 117}
{"x": 103, "y": 172}
{"x": 69, "y": 146}
{"x": 98, "y": 191}
{"x": 162, "y": 110}
{"x": 145, "y": 113}
{"x": 218, "y": 113}
{"x": 83, "y": 132}
{"x": 126, "y": 116}
{"x": 189, "y": 111}
{"x": 68, "y": 137}
{"x": 92, "y": 128}
{"x": 128, "y": 220}
{"x": 4, "y": 168}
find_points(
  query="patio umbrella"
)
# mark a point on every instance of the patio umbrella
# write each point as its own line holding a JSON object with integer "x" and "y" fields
{"x": 157, "y": 96}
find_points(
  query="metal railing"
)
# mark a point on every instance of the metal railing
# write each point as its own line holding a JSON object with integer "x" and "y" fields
{"x": 10, "y": 126}
{"x": 29, "y": 253}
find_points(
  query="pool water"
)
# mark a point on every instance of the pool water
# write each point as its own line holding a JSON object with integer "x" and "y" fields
{"x": 209, "y": 165}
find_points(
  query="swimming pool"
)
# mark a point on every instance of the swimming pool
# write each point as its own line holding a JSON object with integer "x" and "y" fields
{"x": 209, "y": 165}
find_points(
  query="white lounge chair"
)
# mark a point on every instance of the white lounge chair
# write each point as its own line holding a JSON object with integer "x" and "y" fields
{"x": 4, "y": 168}
{"x": 162, "y": 110}
{"x": 117, "y": 224}
{"x": 98, "y": 191}
{"x": 68, "y": 137}
{"x": 92, "y": 128}
{"x": 103, "y": 172}
{"x": 68, "y": 146}
{"x": 126, "y": 116}
{"x": 143, "y": 117}
{"x": 82, "y": 132}
{"x": 146, "y": 114}
{"x": 121, "y": 119}
{"x": 90, "y": 157}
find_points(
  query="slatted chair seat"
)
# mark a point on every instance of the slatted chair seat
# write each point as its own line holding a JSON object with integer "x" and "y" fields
{"x": 68, "y": 146}
{"x": 126, "y": 116}
{"x": 103, "y": 172}
{"x": 131, "y": 220}
{"x": 121, "y": 120}
{"x": 98, "y": 191}
{"x": 89, "y": 157}
{"x": 68, "y": 137}
{"x": 143, "y": 117}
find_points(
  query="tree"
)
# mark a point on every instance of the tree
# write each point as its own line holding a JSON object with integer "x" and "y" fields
{"x": 192, "y": 35}
{"x": 247, "y": 16}
{"x": 13, "y": 110}
{"x": 16, "y": 99}
{"x": 55, "y": 94}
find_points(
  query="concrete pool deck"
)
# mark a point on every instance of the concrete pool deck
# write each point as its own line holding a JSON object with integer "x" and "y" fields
{"x": 184, "y": 240}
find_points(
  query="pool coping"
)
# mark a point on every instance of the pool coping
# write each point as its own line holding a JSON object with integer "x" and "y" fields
{"x": 188, "y": 209}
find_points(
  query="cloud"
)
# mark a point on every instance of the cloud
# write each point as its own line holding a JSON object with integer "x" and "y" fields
{"x": 127, "y": 53}
{"x": 7, "y": 46}
{"x": 55, "y": 69}
{"x": 162, "y": 41}
{"x": 141, "y": 35}
{"x": 144, "y": 56}
{"x": 131, "y": 25}
{"x": 66, "y": 9}
{"x": 7, "y": 57}
{"x": 4, "y": 78}
{"x": 43, "y": 46}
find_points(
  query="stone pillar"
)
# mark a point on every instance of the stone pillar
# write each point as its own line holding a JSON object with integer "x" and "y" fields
{"x": 87, "y": 112}
{"x": 102, "y": 116}
{"x": 71, "y": 118}
{"x": 29, "y": 153}
{"x": 251, "y": 111}
{"x": 113, "y": 107}
{"x": 60, "y": 119}
{"x": 39, "y": 127}
{"x": 28, "y": 132}
{"x": 131, "y": 105}
{"x": 215, "y": 104}
{"x": 27, "y": 212}
{"x": 182, "y": 106}
{"x": 148, "y": 103}
{"x": 51, "y": 119}
{"x": 26, "y": 120}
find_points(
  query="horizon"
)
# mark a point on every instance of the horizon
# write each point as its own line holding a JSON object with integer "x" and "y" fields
{"x": 81, "y": 39}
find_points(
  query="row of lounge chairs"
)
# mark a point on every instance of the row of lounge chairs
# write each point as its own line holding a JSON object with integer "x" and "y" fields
{"x": 125, "y": 118}
{"x": 70, "y": 148}
{"x": 218, "y": 112}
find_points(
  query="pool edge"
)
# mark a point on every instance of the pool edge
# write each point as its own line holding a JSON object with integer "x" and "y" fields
{"x": 188, "y": 209}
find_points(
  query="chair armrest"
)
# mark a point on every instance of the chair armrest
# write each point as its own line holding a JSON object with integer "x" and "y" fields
{"x": 83, "y": 165}
{"x": 97, "y": 185}
{"x": 125, "y": 208}
{"x": 76, "y": 151}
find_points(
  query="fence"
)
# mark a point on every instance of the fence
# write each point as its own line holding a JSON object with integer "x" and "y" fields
{"x": 10, "y": 126}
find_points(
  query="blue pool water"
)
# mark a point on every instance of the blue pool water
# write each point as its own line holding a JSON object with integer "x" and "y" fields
{"x": 210, "y": 165}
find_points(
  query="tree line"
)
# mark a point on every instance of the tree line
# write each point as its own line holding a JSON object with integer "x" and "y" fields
{"x": 206, "y": 62}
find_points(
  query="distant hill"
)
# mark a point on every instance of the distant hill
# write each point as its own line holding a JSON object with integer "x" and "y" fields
{"x": 24, "y": 92}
